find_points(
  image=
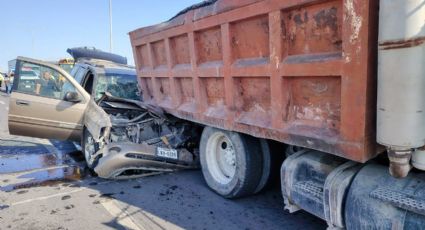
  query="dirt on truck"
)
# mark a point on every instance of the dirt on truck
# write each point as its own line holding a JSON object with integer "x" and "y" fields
{"x": 339, "y": 82}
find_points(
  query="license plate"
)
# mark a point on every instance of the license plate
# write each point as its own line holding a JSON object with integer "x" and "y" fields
{"x": 167, "y": 153}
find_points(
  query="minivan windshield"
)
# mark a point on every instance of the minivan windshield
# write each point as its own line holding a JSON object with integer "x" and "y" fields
{"x": 119, "y": 85}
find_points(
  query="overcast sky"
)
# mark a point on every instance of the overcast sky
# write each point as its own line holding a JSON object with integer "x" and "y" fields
{"x": 44, "y": 29}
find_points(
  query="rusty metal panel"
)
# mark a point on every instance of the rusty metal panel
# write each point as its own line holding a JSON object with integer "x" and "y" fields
{"x": 302, "y": 72}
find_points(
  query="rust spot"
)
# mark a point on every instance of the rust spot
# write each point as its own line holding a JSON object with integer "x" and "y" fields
{"x": 315, "y": 101}
{"x": 255, "y": 45}
{"x": 298, "y": 20}
{"x": 180, "y": 50}
{"x": 399, "y": 44}
{"x": 208, "y": 45}
{"x": 327, "y": 18}
{"x": 315, "y": 29}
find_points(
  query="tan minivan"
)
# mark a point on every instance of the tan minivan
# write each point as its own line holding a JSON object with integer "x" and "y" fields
{"x": 99, "y": 105}
{"x": 55, "y": 111}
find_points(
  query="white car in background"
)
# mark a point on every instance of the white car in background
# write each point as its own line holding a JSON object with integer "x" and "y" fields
{"x": 29, "y": 79}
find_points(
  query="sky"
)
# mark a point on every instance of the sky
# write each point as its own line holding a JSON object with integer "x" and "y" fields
{"x": 44, "y": 29}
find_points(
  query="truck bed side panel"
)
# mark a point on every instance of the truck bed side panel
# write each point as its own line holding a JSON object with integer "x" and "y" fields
{"x": 302, "y": 72}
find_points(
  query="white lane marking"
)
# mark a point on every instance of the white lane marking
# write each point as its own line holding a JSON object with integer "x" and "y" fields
{"x": 121, "y": 215}
{"x": 2, "y": 103}
{"x": 52, "y": 196}
{"x": 152, "y": 221}
{"x": 47, "y": 197}
{"x": 137, "y": 216}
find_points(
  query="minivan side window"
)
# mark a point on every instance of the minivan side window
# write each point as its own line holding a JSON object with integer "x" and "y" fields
{"x": 42, "y": 81}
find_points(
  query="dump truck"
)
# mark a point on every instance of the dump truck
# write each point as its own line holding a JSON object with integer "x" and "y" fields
{"x": 339, "y": 82}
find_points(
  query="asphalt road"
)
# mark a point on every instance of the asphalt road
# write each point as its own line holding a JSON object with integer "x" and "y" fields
{"x": 43, "y": 186}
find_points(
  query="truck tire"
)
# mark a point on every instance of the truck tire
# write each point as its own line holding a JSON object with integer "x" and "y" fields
{"x": 266, "y": 167}
{"x": 89, "y": 147}
{"x": 273, "y": 156}
{"x": 231, "y": 162}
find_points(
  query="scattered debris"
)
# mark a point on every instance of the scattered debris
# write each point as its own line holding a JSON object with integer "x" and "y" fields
{"x": 107, "y": 195}
{"x": 69, "y": 206}
{"x": 21, "y": 191}
{"x": 66, "y": 197}
{"x": 54, "y": 211}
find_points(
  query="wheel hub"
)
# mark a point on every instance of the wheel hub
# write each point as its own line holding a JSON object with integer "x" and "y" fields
{"x": 229, "y": 155}
{"x": 222, "y": 158}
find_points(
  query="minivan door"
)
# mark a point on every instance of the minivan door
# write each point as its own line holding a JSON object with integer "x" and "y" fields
{"x": 46, "y": 102}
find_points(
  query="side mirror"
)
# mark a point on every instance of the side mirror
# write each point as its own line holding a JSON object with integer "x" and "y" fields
{"x": 72, "y": 97}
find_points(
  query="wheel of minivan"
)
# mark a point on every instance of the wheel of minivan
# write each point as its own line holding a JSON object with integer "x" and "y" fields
{"x": 89, "y": 147}
{"x": 231, "y": 162}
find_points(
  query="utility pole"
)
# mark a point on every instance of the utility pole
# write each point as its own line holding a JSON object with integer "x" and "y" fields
{"x": 110, "y": 26}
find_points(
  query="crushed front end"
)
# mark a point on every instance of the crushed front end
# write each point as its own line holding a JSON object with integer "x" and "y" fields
{"x": 143, "y": 140}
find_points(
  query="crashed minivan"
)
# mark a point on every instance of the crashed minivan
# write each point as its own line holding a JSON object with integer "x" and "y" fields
{"x": 99, "y": 106}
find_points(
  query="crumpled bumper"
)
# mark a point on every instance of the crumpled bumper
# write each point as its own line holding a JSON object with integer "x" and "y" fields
{"x": 120, "y": 157}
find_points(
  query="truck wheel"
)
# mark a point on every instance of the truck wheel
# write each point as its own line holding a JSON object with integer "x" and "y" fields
{"x": 266, "y": 167}
{"x": 273, "y": 157}
{"x": 89, "y": 147}
{"x": 231, "y": 162}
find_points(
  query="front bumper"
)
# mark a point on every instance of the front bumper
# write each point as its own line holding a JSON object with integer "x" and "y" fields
{"x": 120, "y": 157}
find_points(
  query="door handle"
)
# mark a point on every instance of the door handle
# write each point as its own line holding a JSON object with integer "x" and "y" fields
{"x": 20, "y": 102}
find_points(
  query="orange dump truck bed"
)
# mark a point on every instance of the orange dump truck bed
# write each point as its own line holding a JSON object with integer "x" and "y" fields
{"x": 302, "y": 72}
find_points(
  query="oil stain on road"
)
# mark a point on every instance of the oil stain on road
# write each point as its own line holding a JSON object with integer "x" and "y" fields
{"x": 28, "y": 164}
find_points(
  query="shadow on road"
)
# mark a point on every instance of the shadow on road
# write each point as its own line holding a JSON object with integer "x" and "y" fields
{"x": 183, "y": 200}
